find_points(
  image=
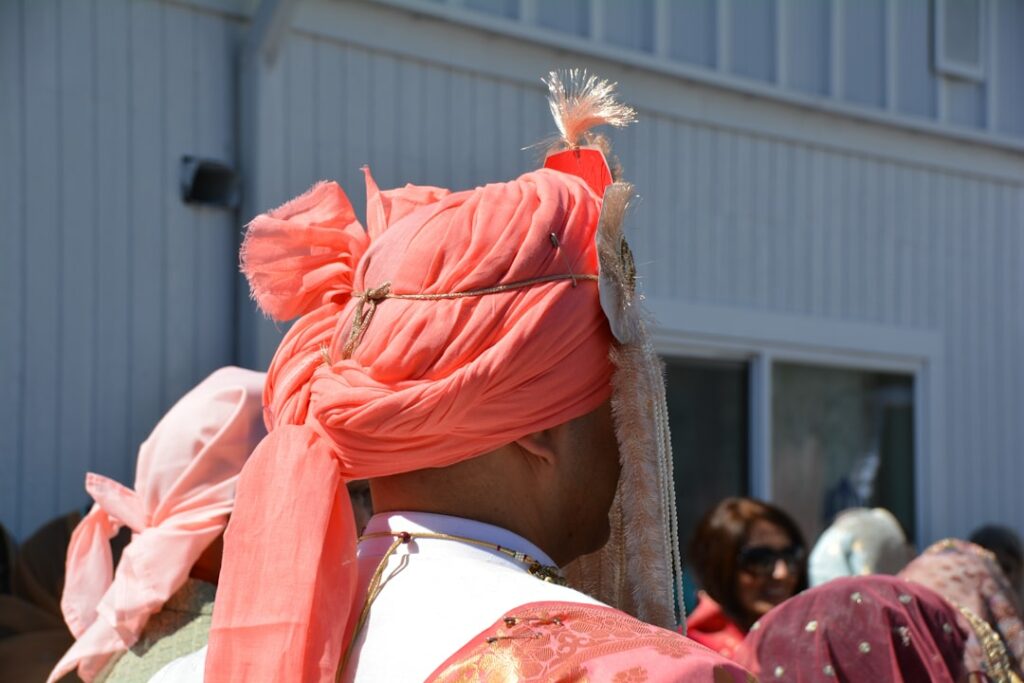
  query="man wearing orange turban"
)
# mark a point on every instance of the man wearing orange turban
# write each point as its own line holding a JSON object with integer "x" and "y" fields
{"x": 478, "y": 356}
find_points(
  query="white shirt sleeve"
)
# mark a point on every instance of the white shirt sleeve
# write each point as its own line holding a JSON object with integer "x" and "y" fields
{"x": 187, "y": 669}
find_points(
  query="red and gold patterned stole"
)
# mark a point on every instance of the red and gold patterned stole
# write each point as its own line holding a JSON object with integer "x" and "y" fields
{"x": 564, "y": 641}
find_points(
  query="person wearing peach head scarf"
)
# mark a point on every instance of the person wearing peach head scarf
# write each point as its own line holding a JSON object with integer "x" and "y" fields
{"x": 479, "y": 357}
{"x": 156, "y": 606}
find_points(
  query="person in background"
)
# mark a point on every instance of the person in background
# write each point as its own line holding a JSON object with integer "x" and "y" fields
{"x": 33, "y": 635}
{"x": 859, "y": 542}
{"x": 867, "y": 628}
{"x": 1006, "y": 545}
{"x": 970, "y": 579}
{"x": 157, "y": 605}
{"x": 748, "y": 556}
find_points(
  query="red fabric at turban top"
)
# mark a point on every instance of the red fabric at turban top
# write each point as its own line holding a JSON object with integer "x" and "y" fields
{"x": 429, "y": 382}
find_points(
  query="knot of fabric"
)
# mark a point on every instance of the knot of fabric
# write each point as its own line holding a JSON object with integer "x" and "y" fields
{"x": 120, "y": 502}
{"x": 366, "y": 305}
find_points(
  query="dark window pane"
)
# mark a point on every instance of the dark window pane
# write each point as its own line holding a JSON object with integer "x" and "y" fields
{"x": 708, "y": 408}
{"x": 841, "y": 438}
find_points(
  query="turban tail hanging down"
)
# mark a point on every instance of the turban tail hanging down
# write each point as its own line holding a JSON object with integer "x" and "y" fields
{"x": 453, "y": 324}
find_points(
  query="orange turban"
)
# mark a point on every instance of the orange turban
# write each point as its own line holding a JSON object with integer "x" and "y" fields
{"x": 453, "y": 324}
{"x": 430, "y": 381}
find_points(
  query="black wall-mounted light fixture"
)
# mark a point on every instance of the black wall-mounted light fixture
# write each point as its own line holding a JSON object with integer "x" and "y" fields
{"x": 209, "y": 183}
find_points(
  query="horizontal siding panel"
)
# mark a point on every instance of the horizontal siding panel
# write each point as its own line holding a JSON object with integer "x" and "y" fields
{"x": 179, "y": 133}
{"x": 215, "y": 249}
{"x": 12, "y": 263}
{"x": 111, "y": 386}
{"x": 147, "y": 224}
{"x": 752, "y": 35}
{"x": 567, "y": 16}
{"x": 300, "y": 129}
{"x": 693, "y": 31}
{"x": 965, "y": 104}
{"x": 915, "y": 78}
{"x": 863, "y": 53}
{"x": 330, "y": 116}
{"x": 806, "y": 47}
{"x": 629, "y": 23}
{"x": 77, "y": 256}
{"x": 42, "y": 106}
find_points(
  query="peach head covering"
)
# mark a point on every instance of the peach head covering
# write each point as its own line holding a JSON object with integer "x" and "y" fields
{"x": 969, "y": 577}
{"x": 453, "y": 324}
{"x": 184, "y": 492}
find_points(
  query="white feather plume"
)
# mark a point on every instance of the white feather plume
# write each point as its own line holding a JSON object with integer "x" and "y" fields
{"x": 580, "y": 101}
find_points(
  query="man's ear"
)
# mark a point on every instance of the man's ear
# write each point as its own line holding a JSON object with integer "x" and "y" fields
{"x": 540, "y": 445}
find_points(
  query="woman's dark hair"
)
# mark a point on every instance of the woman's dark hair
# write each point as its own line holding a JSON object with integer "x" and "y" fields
{"x": 1004, "y": 543}
{"x": 720, "y": 536}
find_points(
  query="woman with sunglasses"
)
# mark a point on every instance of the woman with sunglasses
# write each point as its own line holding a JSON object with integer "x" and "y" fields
{"x": 748, "y": 557}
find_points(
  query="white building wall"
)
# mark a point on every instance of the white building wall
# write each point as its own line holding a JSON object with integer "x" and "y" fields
{"x": 747, "y": 204}
{"x": 115, "y": 297}
{"x": 875, "y": 55}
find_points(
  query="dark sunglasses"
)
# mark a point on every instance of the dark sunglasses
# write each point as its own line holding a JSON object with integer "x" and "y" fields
{"x": 761, "y": 560}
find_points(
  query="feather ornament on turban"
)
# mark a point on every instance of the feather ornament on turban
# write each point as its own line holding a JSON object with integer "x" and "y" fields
{"x": 456, "y": 323}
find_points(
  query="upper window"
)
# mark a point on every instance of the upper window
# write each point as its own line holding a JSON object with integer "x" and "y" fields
{"x": 959, "y": 38}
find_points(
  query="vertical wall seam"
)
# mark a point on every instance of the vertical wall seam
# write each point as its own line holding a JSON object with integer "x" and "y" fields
{"x": 781, "y": 36}
{"x": 163, "y": 214}
{"x": 836, "y": 42}
{"x": 891, "y": 63}
{"x": 94, "y": 319}
{"x": 130, "y": 247}
{"x": 196, "y": 214}
{"x": 58, "y": 402}
{"x": 317, "y": 160}
{"x": 23, "y": 331}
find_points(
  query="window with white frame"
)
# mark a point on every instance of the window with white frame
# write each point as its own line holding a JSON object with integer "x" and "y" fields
{"x": 958, "y": 38}
{"x": 840, "y": 438}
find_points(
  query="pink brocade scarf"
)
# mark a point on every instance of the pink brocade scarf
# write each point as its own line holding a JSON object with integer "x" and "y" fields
{"x": 556, "y": 641}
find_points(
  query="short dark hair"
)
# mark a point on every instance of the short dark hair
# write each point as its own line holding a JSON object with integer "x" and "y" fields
{"x": 719, "y": 538}
{"x": 1004, "y": 543}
